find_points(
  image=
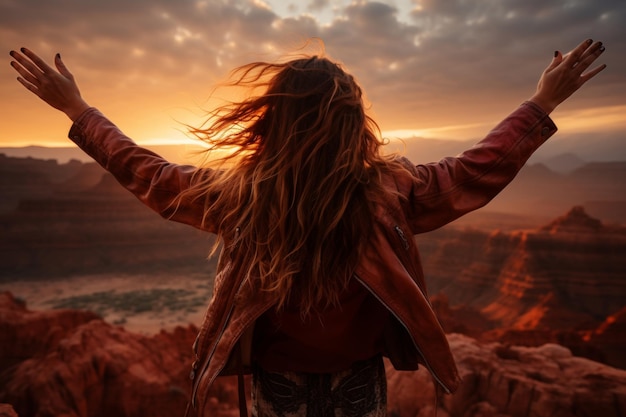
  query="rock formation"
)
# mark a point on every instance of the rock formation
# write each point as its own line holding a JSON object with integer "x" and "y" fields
{"x": 570, "y": 271}
{"x": 101, "y": 229}
{"x": 513, "y": 381}
{"x": 557, "y": 283}
{"x": 609, "y": 338}
{"x": 25, "y": 334}
{"x": 575, "y": 221}
{"x": 72, "y": 364}
{"x": 7, "y": 411}
{"x": 461, "y": 318}
{"x": 33, "y": 178}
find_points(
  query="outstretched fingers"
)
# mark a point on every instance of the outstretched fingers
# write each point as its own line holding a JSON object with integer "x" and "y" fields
{"x": 55, "y": 87}
{"x": 40, "y": 63}
{"x": 567, "y": 73}
{"x": 584, "y": 55}
{"x": 577, "y": 61}
{"x": 25, "y": 75}
{"x": 573, "y": 57}
{"x": 29, "y": 75}
{"x": 592, "y": 73}
{"x": 31, "y": 68}
{"x": 58, "y": 62}
{"x": 592, "y": 52}
{"x": 26, "y": 68}
{"x": 588, "y": 57}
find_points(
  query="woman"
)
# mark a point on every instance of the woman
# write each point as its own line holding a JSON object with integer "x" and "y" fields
{"x": 318, "y": 278}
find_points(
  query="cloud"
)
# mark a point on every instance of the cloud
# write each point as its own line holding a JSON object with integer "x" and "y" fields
{"x": 421, "y": 66}
{"x": 317, "y": 5}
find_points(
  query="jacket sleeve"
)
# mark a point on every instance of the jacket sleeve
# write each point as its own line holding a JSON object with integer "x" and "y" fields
{"x": 154, "y": 181}
{"x": 440, "y": 192}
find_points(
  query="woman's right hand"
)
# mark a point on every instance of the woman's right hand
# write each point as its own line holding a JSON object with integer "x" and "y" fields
{"x": 57, "y": 88}
{"x": 566, "y": 74}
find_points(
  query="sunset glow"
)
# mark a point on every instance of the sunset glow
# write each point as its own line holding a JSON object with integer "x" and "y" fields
{"x": 140, "y": 280}
{"x": 430, "y": 69}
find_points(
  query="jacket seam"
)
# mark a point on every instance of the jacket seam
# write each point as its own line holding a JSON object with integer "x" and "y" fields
{"x": 484, "y": 172}
{"x": 100, "y": 149}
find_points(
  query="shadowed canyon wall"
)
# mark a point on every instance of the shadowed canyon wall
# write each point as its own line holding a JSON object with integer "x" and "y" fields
{"x": 563, "y": 282}
{"x": 524, "y": 297}
{"x": 78, "y": 220}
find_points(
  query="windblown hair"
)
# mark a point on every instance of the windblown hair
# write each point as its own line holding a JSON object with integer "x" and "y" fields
{"x": 303, "y": 166}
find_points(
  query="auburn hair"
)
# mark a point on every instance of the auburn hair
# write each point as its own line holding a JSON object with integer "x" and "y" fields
{"x": 294, "y": 191}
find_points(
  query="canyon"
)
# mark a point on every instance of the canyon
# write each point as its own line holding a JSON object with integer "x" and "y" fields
{"x": 69, "y": 219}
{"x": 73, "y": 364}
{"x": 559, "y": 283}
{"x": 533, "y": 304}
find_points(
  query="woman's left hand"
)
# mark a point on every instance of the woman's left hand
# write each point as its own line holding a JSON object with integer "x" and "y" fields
{"x": 566, "y": 74}
{"x": 57, "y": 88}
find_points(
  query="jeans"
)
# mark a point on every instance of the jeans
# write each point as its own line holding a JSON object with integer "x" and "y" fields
{"x": 360, "y": 391}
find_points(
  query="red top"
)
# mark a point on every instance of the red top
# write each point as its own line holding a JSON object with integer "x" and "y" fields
{"x": 325, "y": 342}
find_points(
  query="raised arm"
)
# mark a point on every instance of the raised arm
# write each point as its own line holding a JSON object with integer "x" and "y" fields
{"x": 439, "y": 193}
{"x": 152, "y": 179}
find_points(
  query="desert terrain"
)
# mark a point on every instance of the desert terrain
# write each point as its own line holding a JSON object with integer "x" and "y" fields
{"x": 97, "y": 291}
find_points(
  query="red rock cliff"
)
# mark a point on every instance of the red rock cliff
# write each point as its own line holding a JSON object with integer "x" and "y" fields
{"x": 570, "y": 271}
{"x": 68, "y": 363}
{"x": 92, "y": 369}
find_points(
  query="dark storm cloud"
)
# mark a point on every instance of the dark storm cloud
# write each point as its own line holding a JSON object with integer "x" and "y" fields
{"x": 447, "y": 54}
{"x": 370, "y": 36}
{"x": 498, "y": 44}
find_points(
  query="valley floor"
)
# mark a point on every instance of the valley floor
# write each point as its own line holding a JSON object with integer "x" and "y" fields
{"x": 142, "y": 304}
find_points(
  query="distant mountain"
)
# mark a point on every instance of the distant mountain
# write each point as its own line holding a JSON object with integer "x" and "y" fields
{"x": 564, "y": 163}
{"x": 183, "y": 153}
{"x": 601, "y": 147}
{"x": 600, "y": 172}
{"x": 422, "y": 150}
{"x": 542, "y": 190}
{"x": 538, "y": 190}
{"x": 60, "y": 154}
{"x": 561, "y": 153}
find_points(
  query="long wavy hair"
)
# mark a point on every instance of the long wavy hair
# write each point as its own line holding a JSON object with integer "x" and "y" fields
{"x": 294, "y": 192}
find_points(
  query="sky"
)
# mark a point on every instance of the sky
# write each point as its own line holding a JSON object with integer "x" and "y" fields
{"x": 430, "y": 68}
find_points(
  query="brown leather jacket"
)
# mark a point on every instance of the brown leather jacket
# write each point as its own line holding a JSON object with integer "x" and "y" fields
{"x": 390, "y": 267}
